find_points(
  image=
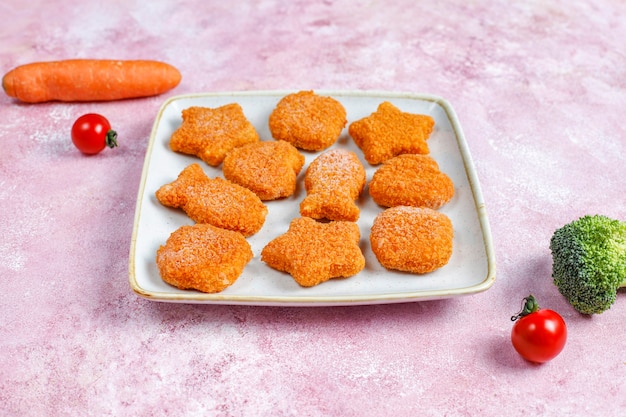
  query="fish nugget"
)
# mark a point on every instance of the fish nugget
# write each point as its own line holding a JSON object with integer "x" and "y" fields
{"x": 389, "y": 132}
{"x": 411, "y": 180}
{"x": 203, "y": 257}
{"x": 333, "y": 181}
{"x": 214, "y": 201}
{"x": 269, "y": 169}
{"x": 210, "y": 133}
{"x": 412, "y": 239}
{"x": 308, "y": 121}
{"x": 313, "y": 252}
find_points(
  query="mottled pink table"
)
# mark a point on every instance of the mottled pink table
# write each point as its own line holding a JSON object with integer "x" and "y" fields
{"x": 540, "y": 90}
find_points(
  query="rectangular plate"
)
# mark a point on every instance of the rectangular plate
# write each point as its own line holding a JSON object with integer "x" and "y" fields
{"x": 471, "y": 268}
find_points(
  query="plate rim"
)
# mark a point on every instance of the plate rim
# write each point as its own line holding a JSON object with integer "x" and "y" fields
{"x": 304, "y": 301}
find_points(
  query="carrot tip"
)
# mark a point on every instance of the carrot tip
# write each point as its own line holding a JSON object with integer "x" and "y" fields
{"x": 7, "y": 84}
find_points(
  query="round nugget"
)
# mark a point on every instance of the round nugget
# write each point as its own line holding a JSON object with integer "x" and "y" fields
{"x": 412, "y": 239}
{"x": 203, "y": 257}
{"x": 308, "y": 121}
{"x": 268, "y": 169}
{"x": 411, "y": 180}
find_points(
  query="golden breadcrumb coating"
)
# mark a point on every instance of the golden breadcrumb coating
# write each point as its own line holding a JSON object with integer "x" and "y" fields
{"x": 308, "y": 121}
{"x": 214, "y": 201}
{"x": 203, "y": 257}
{"x": 314, "y": 252}
{"x": 269, "y": 169}
{"x": 412, "y": 239}
{"x": 210, "y": 133}
{"x": 333, "y": 181}
{"x": 389, "y": 132}
{"x": 411, "y": 180}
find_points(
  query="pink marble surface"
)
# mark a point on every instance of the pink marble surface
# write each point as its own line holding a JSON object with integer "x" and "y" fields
{"x": 539, "y": 87}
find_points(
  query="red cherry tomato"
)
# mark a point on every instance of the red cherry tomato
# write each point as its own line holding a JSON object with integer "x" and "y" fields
{"x": 91, "y": 133}
{"x": 538, "y": 335}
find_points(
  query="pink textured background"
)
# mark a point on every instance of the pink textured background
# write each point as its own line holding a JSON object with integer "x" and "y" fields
{"x": 540, "y": 90}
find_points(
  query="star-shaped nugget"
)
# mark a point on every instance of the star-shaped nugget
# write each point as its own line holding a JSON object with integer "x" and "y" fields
{"x": 210, "y": 133}
{"x": 389, "y": 132}
{"x": 314, "y": 252}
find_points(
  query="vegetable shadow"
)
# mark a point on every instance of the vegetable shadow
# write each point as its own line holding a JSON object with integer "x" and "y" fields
{"x": 503, "y": 355}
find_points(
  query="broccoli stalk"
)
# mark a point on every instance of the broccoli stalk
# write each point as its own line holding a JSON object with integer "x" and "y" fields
{"x": 589, "y": 262}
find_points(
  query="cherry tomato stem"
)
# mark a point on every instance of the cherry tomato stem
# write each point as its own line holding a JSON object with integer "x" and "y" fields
{"x": 530, "y": 306}
{"x": 111, "y": 139}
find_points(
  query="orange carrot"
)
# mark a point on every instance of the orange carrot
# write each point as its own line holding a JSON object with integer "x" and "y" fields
{"x": 89, "y": 80}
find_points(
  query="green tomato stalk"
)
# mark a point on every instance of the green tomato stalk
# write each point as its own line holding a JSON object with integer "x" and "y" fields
{"x": 111, "y": 139}
{"x": 530, "y": 306}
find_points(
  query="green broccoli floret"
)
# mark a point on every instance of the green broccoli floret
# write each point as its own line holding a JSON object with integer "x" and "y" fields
{"x": 589, "y": 262}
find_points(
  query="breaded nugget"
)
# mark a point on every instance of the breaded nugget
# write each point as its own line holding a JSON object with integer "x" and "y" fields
{"x": 203, "y": 257}
{"x": 411, "y": 180}
{"x": 412, "y": 239}
{"x": 308, "y": 121}
{"x": 210, "y": 133}
{"x": 314, "y": 252}
{"x": 333, "y": 181}
{"x": 389, "y": 132}
{"x": 214, "y": 201}
{"x": 269, "y": 169}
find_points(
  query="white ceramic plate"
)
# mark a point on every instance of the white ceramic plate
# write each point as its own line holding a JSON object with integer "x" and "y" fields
{"x": 471, "y": 268}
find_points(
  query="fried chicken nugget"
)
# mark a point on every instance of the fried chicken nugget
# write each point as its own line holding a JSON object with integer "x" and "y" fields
{"x": 269, "y": 169}
{"x": 215, "y": 201}
{"x": 333, "y": 181}
{"x": 313, "y": 252}
{"x": 203, "y": 257}
{"x": 411, "y": 180}
{"x": 412, "y": 239}
{"x": 389, "y": 132}
{"x": 308, "y": 121}
{"x": 211, "y": 133}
